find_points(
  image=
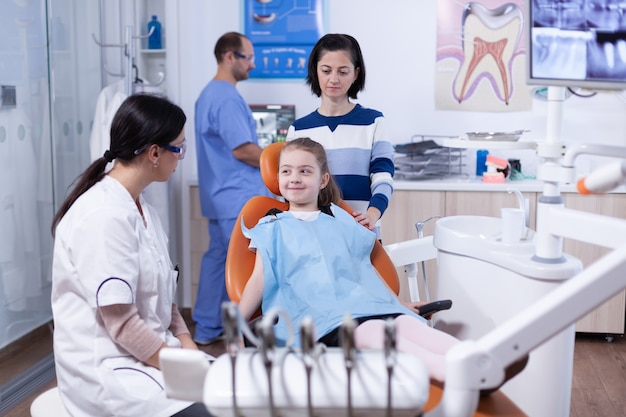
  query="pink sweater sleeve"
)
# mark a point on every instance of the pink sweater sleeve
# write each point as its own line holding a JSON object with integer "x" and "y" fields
{"x": 178, "y": 325}
{"x": 127, "y": 329}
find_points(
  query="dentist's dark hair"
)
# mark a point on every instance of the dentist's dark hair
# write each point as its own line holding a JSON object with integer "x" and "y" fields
{"x": 142, "y": 120}
{"x": 336, "y": 42}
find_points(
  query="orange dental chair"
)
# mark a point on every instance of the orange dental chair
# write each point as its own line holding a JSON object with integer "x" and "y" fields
{"x": 240, "y": 263}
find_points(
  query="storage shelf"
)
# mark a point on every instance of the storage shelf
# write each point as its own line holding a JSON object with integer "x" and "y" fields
{"x": 152, "y": 51}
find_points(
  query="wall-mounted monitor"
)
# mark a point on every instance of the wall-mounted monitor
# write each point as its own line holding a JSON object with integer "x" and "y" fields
{"x": 272, "y": 121}
{"x": 577, "y": 43}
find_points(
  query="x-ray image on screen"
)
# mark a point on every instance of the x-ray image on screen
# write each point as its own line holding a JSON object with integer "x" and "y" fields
{"x": 577, "y": 43}
{"x": 272, "y": 121}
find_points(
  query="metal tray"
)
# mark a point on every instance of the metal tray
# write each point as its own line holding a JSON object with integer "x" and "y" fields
{"x": 513, "y": 136}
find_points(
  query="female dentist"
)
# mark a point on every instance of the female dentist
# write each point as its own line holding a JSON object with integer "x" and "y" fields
{"x": 113, "y": 283}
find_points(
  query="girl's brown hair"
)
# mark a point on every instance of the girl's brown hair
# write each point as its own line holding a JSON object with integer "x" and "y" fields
{"x": 330, "y": 193}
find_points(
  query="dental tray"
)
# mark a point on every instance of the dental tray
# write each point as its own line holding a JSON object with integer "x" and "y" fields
{"x": 513, "y": 136}
{"x": 417, "y": 148}
{"x": 427, "y": 159}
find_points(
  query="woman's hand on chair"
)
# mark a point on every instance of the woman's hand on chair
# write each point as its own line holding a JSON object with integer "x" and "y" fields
{"x": 368, "y": 219}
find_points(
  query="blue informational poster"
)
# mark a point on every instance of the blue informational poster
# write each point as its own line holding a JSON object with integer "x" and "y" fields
{"x": 283, "y": 33}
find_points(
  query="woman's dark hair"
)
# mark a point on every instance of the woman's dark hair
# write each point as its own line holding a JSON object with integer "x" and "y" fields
{"x": 141, "y": 120}
{"x": 336, "y": 42}
{"x": 330, "y": 193}
{"x": 230, "y": 41}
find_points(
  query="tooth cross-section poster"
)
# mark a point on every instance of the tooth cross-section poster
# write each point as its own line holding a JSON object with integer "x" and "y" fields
{"x": 283, "y": 33}
{"x": 481, "y": 56}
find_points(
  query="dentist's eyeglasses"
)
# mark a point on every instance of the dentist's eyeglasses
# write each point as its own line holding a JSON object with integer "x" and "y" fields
{"x": 178, "y": 150}
{"x": 244, "y": 56}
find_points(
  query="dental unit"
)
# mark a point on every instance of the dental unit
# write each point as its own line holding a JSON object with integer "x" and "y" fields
{"x": 555, "y": 293}
{"x": 552, "y": 317}
{"x": 523, "y": 299}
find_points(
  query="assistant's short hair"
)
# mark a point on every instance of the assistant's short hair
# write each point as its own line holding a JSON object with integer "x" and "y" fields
{"x": 336, "y": 42}
{"x": 230, "y": 41}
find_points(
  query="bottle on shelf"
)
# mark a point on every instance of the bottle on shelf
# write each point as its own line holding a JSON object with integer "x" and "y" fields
{"x": 154, "y": 40}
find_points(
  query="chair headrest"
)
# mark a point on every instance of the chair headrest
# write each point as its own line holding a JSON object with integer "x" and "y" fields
{"x": 268, "y": 163}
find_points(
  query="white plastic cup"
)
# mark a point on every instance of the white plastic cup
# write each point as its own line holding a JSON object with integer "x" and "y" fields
{"x": 513, "y": 224}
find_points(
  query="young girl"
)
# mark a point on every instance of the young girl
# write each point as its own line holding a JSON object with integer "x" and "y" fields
{"x": 314, "y": 260}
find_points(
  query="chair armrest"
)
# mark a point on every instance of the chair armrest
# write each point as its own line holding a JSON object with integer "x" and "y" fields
{"x": 411, "y": 251}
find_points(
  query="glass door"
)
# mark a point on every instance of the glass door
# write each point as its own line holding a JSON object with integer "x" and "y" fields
{"x": 49, "y": 81}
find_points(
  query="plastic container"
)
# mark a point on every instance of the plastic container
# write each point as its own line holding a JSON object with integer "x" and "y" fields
{"x": 481, "y": 159}
{"x": 155, "y": 39}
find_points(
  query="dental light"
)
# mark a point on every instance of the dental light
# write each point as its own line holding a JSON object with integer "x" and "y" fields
{"x": 604, "y": 179}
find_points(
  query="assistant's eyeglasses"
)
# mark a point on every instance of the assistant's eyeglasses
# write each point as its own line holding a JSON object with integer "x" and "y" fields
{"x": 244, "y": 56}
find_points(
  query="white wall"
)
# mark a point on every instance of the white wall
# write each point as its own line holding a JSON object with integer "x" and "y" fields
{"x": 398, "y": 42}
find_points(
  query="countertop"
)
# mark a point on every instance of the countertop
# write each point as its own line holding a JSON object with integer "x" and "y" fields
{"x": 475, "y": 184}
{"x": 472, "y": 184}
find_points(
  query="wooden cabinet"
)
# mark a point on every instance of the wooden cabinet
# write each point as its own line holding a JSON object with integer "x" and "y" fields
{"x": 408, "y": 207}
{"x": 198, "y": 240}
{"x": 486, "y": 203}
{"x": 609, "y": 317}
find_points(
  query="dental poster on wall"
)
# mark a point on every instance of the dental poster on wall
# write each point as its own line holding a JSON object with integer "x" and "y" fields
{"x": 283, "y": 33}
{"x": 481, "y": 56}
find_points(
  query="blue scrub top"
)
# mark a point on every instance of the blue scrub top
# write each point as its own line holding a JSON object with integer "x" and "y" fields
{"x": 223, "y": 122}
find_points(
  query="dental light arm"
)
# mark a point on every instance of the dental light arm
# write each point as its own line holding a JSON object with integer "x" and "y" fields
{"x": 591, "y": 149}
{"x": 604, "y": 179}
{"x": 480, "y": 364}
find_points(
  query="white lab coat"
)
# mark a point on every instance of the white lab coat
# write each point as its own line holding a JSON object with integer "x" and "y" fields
{"x": 104, "y": 255}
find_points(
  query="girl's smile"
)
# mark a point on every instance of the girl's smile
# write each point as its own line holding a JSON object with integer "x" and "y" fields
{"x": 300, "y": 179}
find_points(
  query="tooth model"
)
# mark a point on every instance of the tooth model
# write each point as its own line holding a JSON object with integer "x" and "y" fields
{"x": 496, "y": 169}
{"x": 490, "y": 38}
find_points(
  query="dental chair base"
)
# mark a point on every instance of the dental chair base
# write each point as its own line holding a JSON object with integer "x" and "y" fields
{"x": 490, "y": 282}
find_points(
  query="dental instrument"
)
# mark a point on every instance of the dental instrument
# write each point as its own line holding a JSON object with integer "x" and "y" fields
{"x": 362, "y": 382}
{"x": 419, "y": 226}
